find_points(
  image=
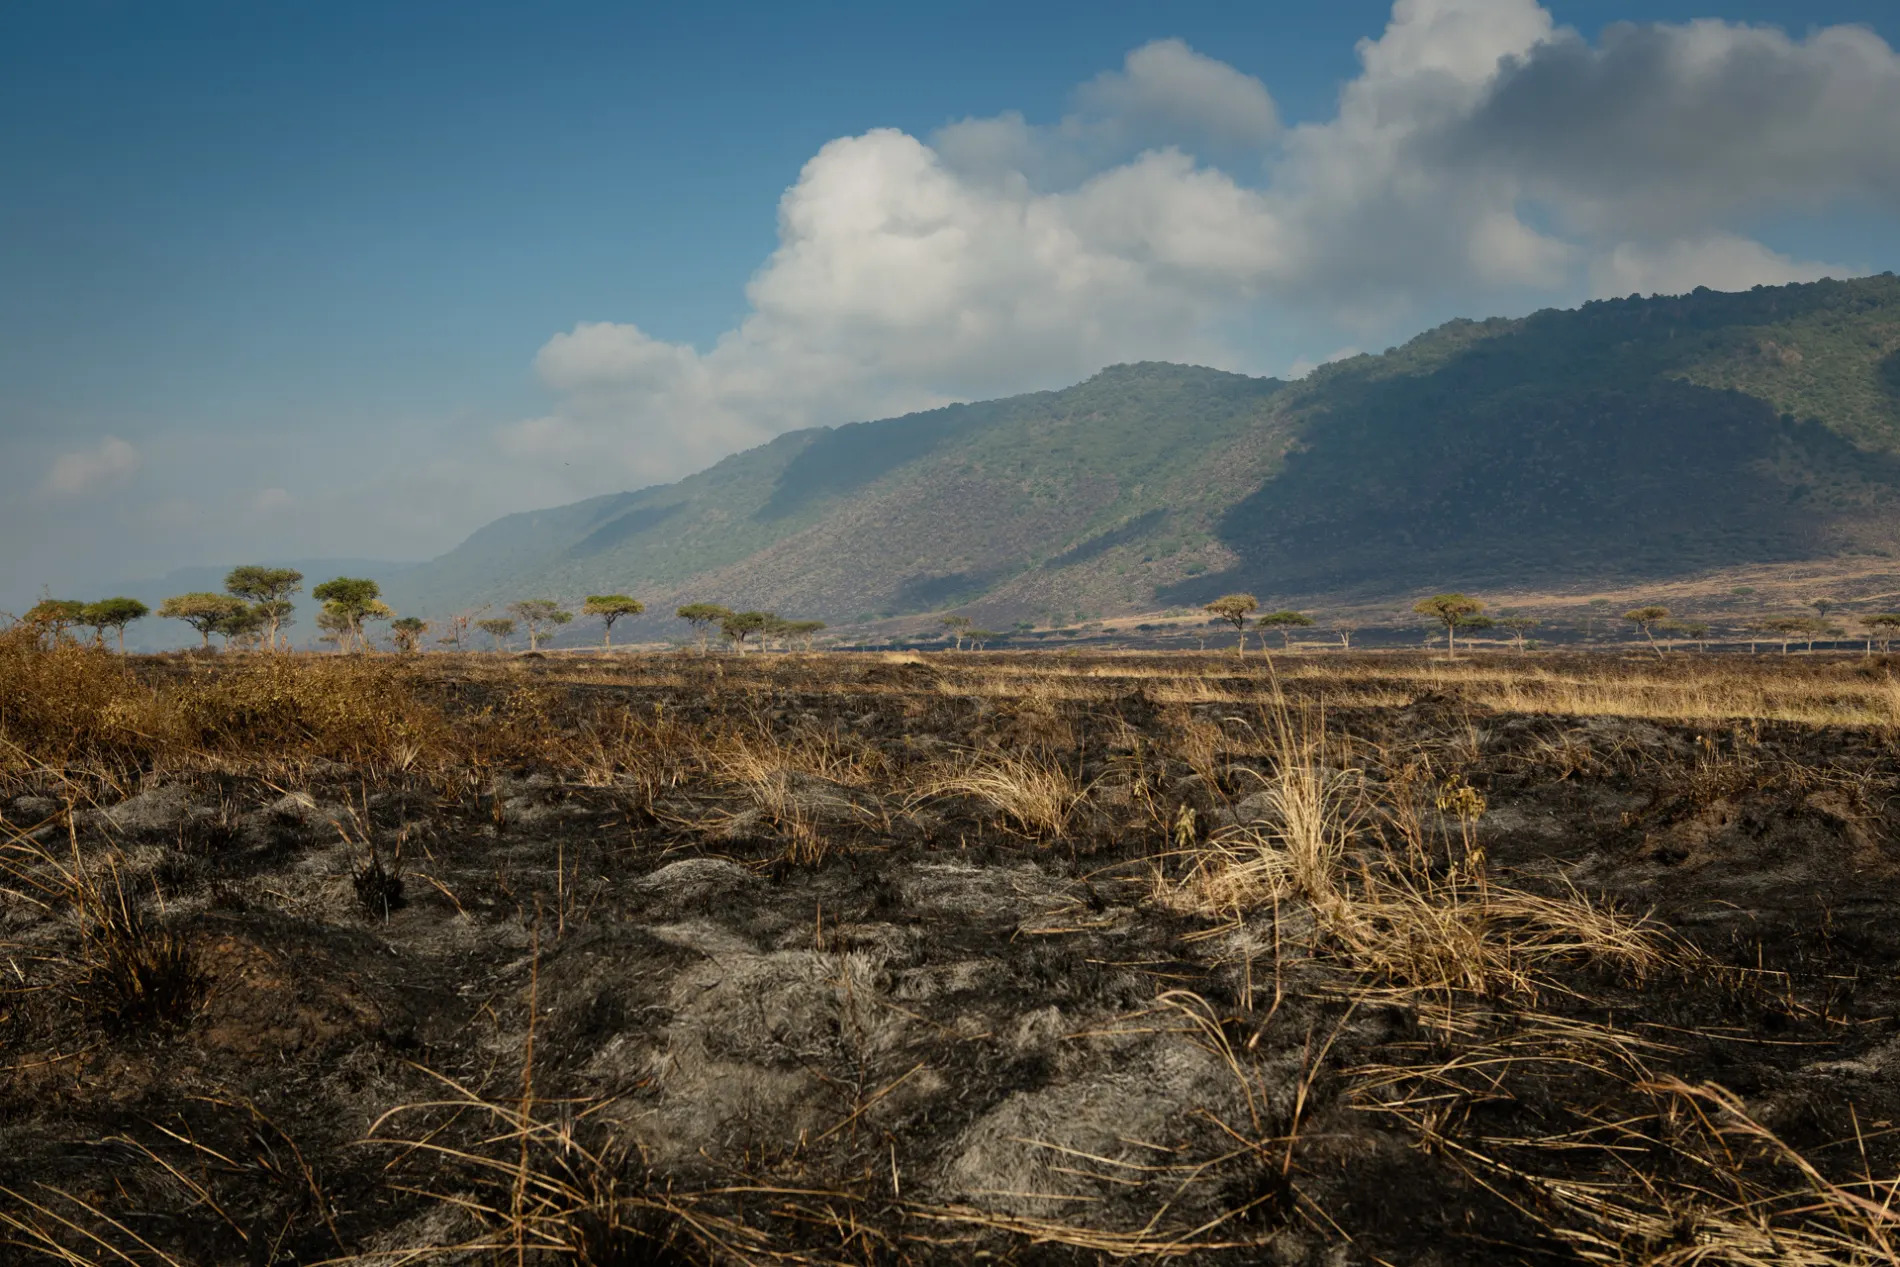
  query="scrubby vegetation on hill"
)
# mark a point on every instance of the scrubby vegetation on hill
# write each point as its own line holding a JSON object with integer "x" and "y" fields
{"x": 1637, "y": 438}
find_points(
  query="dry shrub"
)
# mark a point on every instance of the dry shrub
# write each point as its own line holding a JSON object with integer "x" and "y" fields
{"x": 129, "y": 971}
{"x": 70, "y": 702}
{"x": 1414, "y": 923}
{"x": 1038, "y": 796}
{"x": 538, "y": 1192}
{"x": 345, "y": 708}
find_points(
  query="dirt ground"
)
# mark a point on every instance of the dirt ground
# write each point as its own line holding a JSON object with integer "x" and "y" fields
{"x": 881, "y": 960}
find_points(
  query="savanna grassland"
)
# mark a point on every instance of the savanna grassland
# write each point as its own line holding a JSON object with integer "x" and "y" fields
{"x": 1009, "y": 957}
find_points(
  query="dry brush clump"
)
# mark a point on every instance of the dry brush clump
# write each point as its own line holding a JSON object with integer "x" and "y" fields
{"x": 1035, "y": 795}
{"x": 126, "y": 968}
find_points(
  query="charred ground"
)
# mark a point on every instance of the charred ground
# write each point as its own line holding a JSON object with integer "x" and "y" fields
{"x": 862, "y": 959}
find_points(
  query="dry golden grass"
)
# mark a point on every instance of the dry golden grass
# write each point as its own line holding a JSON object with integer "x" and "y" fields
{"x": 1036, "y": 795}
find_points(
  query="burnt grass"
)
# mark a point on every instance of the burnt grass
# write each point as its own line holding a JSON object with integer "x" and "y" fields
{"x": 821, "y": 1015}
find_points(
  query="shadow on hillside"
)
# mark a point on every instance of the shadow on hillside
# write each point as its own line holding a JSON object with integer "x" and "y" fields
{"x": 849, "y": 457}
{"x": 1101, "y": 543}
{"x": 1488, "y": 470}
{"x": 614, "y": 531}
{"x": 1889, "y": 372}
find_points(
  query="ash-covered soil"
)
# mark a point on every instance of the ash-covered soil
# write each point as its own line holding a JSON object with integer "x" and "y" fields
{"x": 736, "y": 972}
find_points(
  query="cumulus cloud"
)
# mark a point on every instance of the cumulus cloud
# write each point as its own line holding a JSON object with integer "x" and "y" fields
{"x": 109, "y": 463}
{"x": 1482, "y": 156}
{"x": 1720, "y": 261}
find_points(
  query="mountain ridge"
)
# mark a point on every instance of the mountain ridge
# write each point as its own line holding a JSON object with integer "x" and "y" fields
{"x": 1626, "y": 438}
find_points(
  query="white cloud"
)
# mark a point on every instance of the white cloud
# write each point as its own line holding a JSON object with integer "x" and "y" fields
{"x": 1483, "y": 157}
{"x": 1302, "y": 366}
{"x": 1168, "y": 86}
{"x": 272, "y": 501}
{"x": 107, "y": 464}
{"x": 1720, "y": 261}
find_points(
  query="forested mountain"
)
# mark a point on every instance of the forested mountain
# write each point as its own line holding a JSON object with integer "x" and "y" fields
{"x": 1628, "y": 439}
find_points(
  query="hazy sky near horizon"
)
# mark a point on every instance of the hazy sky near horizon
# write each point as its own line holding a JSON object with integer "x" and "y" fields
{"x": 352, "y": 279}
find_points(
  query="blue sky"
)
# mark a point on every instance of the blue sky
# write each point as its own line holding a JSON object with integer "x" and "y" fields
{"x": 312, "y": 280}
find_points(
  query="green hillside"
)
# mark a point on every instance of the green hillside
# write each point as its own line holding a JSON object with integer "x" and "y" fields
{"x": 1627, "y": 439}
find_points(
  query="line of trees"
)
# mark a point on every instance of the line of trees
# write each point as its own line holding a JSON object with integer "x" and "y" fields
{"x": 52, "y": 617}
{"x": 740, "y": 627}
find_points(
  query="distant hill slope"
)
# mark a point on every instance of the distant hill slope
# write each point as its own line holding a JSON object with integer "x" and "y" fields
{"x": 1627, "y": 439}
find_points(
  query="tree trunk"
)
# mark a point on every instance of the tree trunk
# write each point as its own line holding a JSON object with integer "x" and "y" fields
{"x": 1451, "y": 641}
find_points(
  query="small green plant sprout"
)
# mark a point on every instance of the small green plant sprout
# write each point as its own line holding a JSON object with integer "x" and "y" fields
{"x": 114, "y": 614}
{"x": 957, "y": 627}
{"x": 702, "y": 617}
{"x": 268, "y": 588}
{"x": 736, "y": 627}
{"x": 1233, "y": 609}
{"x": 1646, "y": 619}
{"x": 350, "y": 600}
{"x": 1518, "y": 626}
{"x": 500, "y": 628}
{"x": 608, "y": 608}
{"x": 1466, "y": 803}
{"x": 1284, "y": 623}
{"x": 541, "y": 616}
{"x": 1183, "y": 830}
{"x": 1454, "y": 611}
{"x": 204, "y": 612}
{"x": 407, "y": 633}
{"x": 1881, "y": 627}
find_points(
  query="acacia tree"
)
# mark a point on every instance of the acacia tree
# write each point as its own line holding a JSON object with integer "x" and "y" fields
{"x": 1822, "y": 606}
{"x": 738, "y": 626}
{"x": 351, "y": 600}
{"x": 1285, "y": 622}
{"x": 702, "y": 616}
{"x": 203, "y": 611}
{"x": 1646, "y": 619}
{"x": 1345, "y": 630}
{"x": 408, "y": 632}
{"x": 1234, "y": 609}
{"x": 1454, "y": 611}
{"x": 1519, "y": 626}
{"x": 243, "y": 626}
{"x": 500, "y": 628}
{"x": 1881, "y": 627}
{"x": 114, "y": 613}
{"x": 269, "y": 588}
{"x": 1694, "y": 630}
{"x": 333, "y": 627}
{"x": 609, "y": 608}
{"x": 457, "y": 635}
{"x": 1787, "y": 629}
{"x": 540, "y": 614}
{"x": 958, "y": 627}
{"x": 52, "y": 617}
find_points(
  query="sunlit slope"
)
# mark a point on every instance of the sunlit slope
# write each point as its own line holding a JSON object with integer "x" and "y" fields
{"x": 1628, "y": 438}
